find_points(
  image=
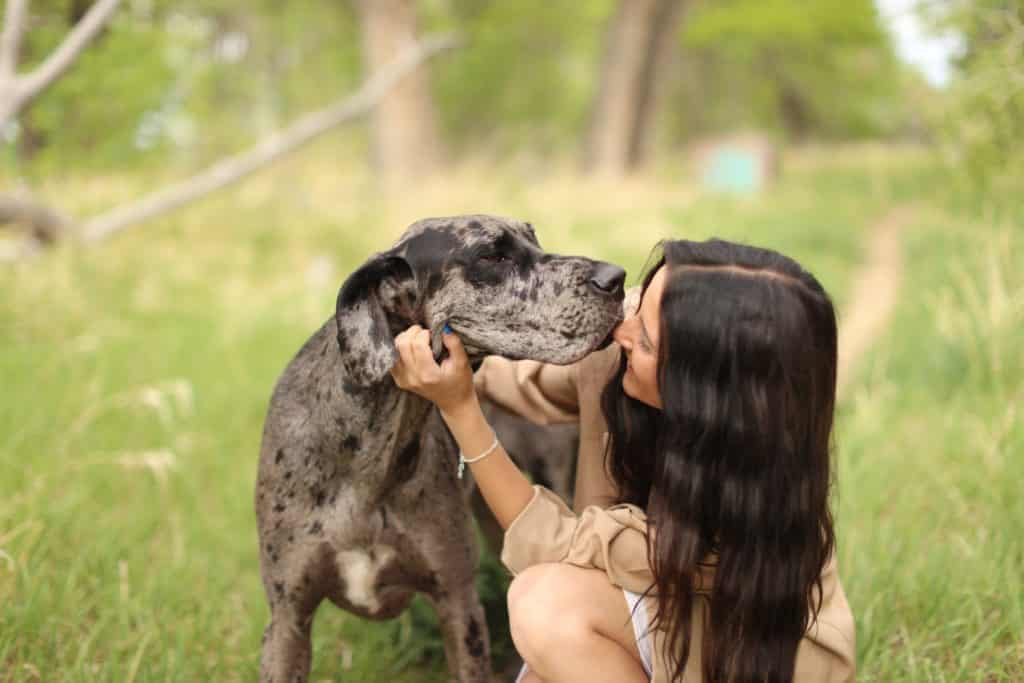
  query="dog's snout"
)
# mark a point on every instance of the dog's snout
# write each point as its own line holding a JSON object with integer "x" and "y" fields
{"x": 608, "y": 278}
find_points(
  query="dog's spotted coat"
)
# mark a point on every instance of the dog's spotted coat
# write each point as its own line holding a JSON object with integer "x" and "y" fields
{"x": 356, "y": 497}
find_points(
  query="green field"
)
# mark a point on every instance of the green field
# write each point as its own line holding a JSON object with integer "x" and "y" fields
{"x": 136, "y": 375}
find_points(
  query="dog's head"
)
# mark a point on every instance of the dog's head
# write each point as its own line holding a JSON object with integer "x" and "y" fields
{"x": 487, "y": 278}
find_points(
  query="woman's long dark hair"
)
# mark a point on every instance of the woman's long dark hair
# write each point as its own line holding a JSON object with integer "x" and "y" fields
{"x": 734, "y": 470}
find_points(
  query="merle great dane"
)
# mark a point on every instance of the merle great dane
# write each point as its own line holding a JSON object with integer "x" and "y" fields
{"x": 357, "y": 499}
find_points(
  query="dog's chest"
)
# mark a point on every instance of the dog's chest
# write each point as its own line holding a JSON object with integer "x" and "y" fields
{"x": 360, "y": 570}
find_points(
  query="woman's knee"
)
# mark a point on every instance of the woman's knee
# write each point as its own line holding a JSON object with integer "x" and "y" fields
{"x": 543, "y": 613}
{"x": 525, "y": 610}
{"x": 535, "y": 592}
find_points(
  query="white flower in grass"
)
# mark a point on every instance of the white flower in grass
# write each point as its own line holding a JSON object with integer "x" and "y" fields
{"x": 167, "y": 398}
{"x": 159, "y": 462}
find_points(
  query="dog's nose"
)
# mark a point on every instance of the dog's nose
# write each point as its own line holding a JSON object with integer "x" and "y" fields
{"x": 608, "y": 278}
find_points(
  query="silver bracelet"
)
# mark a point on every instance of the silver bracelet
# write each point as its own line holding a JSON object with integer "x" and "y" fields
{"x": 463, "y": 459}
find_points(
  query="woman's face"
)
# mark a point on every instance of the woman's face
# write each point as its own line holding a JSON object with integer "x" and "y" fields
{"x": 638, "y": 337}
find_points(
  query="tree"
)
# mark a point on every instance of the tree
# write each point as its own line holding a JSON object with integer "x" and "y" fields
{"x": 808, "y": 68}
{"x": 984, "y": 119}
{"x": 638, "y": 44}
{"x": 47, "y": 224}
{"x": 405, "y": 140}
{"x": 16, "y": 91}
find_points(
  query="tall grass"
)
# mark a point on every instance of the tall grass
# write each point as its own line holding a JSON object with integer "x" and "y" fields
{"x": 932, "y": 460}
{"x": 136, "y": 375}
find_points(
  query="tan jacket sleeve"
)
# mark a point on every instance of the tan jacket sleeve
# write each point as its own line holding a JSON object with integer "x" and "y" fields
{"x": 613, "y": 539}
{"x": 540, "y": 392}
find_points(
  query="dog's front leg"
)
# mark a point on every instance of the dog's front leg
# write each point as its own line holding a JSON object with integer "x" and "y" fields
{"x": 287, "y": 646}
{"x": 464, "y": 627}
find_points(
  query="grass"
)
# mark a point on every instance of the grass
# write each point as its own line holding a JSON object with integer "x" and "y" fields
{"x": 136, "y": 375}
{"x": 931, "y": 462}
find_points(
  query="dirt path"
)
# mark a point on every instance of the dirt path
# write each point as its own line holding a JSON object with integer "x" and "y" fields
{"x": 876, "y": 289}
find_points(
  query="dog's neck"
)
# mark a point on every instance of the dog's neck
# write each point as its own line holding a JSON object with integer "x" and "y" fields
{"x": 375, "y": 428}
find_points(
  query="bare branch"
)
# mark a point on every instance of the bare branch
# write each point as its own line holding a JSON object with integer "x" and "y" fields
{"x": 232, "y": 169}
{"x": 10, "y": 39}
{"x": 47, "y": 225}
{"x": 65, "y": 55}
{"x": 43, "y": 222}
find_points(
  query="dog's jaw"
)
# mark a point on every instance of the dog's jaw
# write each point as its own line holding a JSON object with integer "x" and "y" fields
{"x": 476, "y": 350}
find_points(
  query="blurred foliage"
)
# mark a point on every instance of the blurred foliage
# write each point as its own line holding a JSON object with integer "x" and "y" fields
{"x": 824, "y": 69}
{"x": 528, "y": 72}
{"x": 97, "y": 111}
{"x": 190, "y": 80}
{"x": 193, "y": 79}
{"x": 266, "y": 63}
{"x": 984, "y": 120}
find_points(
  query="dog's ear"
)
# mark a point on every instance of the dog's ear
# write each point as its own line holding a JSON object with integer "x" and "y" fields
{"x": 378, "y": 289}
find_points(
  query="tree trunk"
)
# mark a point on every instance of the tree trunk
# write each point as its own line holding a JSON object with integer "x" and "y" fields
{"x": 638, "y": 46}
{"x": 795, "y": 111}
{"x": 405, "y": 140}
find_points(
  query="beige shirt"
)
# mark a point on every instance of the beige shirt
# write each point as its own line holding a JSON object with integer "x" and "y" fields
{"x": 614, "y": 539}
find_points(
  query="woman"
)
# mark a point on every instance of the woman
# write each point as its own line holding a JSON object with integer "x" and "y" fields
{"x": 716, "y": 561}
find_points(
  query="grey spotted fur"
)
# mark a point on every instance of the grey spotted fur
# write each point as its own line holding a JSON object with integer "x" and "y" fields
{"x": 356, "y": 496}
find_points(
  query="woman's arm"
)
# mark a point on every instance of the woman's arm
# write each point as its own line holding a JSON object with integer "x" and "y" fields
{"x": 504, "y": 487}
{"x": 548, "y": 394}
{"x": 594, "y": 486}
{"x": 544, "y": 394}
{"x": 539, "y": 527}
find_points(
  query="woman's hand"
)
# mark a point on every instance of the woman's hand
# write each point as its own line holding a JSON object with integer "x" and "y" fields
{"x": 448, "y": 385}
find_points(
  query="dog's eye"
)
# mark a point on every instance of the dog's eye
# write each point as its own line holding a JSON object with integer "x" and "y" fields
{"x": 493, "y": 258}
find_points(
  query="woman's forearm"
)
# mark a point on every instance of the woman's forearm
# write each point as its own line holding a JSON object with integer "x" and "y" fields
{"x": 505, "y": 489}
